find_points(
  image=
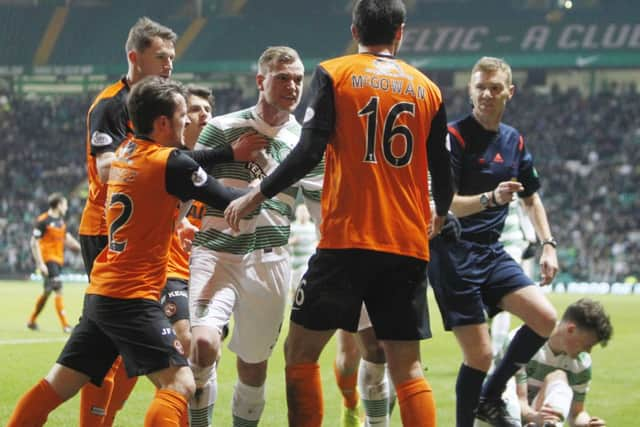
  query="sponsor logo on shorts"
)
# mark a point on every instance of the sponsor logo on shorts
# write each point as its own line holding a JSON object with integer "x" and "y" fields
{"x": 178, "y": 346}
{"x": 170, "y": 309}
{"x": 299, "y": 299}
{"x": 174, "y": 294}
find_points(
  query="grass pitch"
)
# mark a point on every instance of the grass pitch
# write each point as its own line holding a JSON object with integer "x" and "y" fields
{"x": 26, "y": 356}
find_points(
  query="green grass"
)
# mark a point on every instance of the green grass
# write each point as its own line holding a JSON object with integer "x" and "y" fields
{"x": 613, "y": 395}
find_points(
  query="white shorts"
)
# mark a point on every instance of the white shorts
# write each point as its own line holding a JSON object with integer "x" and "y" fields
{"x": 256, "y": 294}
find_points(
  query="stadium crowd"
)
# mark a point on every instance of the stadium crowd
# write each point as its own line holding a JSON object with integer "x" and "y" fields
{"x": 586, "y": 148}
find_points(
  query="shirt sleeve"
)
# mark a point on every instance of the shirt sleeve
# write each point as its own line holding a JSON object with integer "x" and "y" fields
{"x": 39, "y": 229}
{"x": 320, "y": 113}
{"x": 456, "y": 152}
{"x": 208, "y": 158}
{"x": 527, "y": 173}
{"x": 187, "y": 180}
{"x": 108, "y": 125}
{"x": 439, "y": 163}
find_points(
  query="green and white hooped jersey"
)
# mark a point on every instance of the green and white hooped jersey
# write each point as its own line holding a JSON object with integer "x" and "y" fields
{"x": 517, "y": 232}
{"x": 578, "y": 370}
{"x": 268, "y": 227}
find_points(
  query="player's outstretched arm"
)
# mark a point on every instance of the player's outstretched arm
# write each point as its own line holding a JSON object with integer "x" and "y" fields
{"x": 548, "y": 259}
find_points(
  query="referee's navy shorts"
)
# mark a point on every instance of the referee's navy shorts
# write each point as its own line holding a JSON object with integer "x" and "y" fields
{"x": 469, "y": 280}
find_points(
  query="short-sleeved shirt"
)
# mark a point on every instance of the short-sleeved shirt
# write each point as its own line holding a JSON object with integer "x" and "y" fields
{"x": 375, "y": 194}
{"x": 178, "y": 266}
{"x": 146, "y": 183}
{"x": 108, "y": 126}
{"x": 480, "y": 160}
{"x": 578, "y": 370}
{"x": 50, "y": 233}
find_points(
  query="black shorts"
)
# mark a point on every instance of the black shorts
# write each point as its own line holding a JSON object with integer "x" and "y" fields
{"x": 338, "y": 281}
{"x": 91, "y": 246}
{"x": 469, "y": 280}
{"x": 52, "y": 282}
{"x": 175, "y": 300}
{"x": 136, "y": 329}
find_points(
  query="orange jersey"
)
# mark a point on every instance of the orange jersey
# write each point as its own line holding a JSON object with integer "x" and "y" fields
{"x": 51, "y": 233}
{"x": 107, "y": 126}
{"x": 375, "y": 191}
{"x": 178, "y": 266}
{"x": 140, "y": 220}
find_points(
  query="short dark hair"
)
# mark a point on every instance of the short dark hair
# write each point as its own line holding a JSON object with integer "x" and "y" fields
{"x": 589, "y": 315}
{"x": 151, "y": 98}
{"x": 201, "y": 92}
{"x": 55, "y": 199}
{"x": 377, "y": 21}
{"x": 143, "y": 31}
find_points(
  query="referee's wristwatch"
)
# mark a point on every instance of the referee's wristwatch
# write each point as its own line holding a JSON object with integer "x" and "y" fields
{"x": 485, "y": 201}
{"x": 550, "y": 241}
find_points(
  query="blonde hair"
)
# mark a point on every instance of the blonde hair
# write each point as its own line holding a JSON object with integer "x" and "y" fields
{"x": 276, "y": 55}
{"x": 490, "y": 64}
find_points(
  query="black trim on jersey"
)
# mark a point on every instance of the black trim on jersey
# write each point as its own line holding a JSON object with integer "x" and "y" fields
{"x": 110, "y": 116}
{"x": 304, "y": 157}
{"x": 181, "y": 176}
{"x": 440, "y": 163}
{"x": 210, "y": 157}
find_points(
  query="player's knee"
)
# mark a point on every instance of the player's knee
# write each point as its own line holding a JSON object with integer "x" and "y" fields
{"x": 373, "y": 351}
{"x": 479, "y": 359}
{"x": 557, "y": 376}
{"x": 205, "y": 349}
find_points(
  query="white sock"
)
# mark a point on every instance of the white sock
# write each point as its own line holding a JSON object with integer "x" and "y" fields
{"x": 559, "y": 396}
{"x": 202, "y": 403}
{"x": 500, "y": 325}
{"x": 248, "y": 404}
{"x": 392, "y": 390}
{"x": 374, "y": 390}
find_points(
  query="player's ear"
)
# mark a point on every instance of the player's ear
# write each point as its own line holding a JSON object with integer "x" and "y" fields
{"x": 354, "y": 33}
{"x": 132, "y": 56}
{"x": 260, "y": 81}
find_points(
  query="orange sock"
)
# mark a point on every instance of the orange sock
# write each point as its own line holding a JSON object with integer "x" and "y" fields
{"x": 417, "y": 406}
{"x": 348, "y": 386}
{"x": 304, "y": 395}
{"x": 168, "y": 408}
{"x": 94, "y": 400}
{"x": 122, "y": 387}
{"x": 60, "y": 310}
{"x": 34, "y": 406}
{"x": 40, "y": 302}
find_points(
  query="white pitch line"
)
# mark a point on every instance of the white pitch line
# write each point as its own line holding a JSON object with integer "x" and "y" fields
{"x": 32, "y": 341}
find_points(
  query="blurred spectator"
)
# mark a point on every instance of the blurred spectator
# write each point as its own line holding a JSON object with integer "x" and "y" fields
{"x": 587, "y": 148}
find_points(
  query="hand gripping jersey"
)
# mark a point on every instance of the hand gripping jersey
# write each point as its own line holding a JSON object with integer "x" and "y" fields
{"x": 379, "y": 111}
{"x": 107, "y": 126}
{"x": 178, "y": 266}
{"x": 140, "y": 221}
{"x": 269, "y": 226}
{"x": 51, "y": 233}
